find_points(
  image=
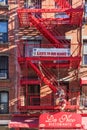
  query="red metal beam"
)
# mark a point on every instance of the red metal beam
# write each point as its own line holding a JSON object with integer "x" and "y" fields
{"x": 41, "y": 27}
{"x": 23, "y": 59}
{"x": 68, "y": 107}
{"x": 27, "y": 81}
{"x": 38, "y": 107}
{"x": 62, "y": 65}
{"x": 55, "y": 10}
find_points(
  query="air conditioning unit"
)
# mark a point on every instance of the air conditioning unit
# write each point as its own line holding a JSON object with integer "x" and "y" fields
{"x": 3, "y": 75}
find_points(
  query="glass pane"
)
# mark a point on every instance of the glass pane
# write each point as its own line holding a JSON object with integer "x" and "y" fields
{"x": 4, "y": 97}
{"x": 86, "y": 8}
{"x": 3, "y": 1}
{"x": 61, "y": 15}
{"x": 29, "y": 47}
{"x": 85, "y": 59}
{"x": 28, "y": 50}
{"x": 85, "y": 49}
{"x": 3, "y": 27}
{"x": 4, "y": 62}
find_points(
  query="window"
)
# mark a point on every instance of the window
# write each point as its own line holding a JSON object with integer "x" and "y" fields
{"x": 3, "y": 67}
{"x": 83, "y": 97}
{"x": 28, "y": 51}
{"x": 3, "y": 2}
{"x": 33, "y": 95}
{"x": 32, "y": 4}
{"x": 3, "y": 31}
{"x": 60, "y": 14}
{"x": 4, "y": 102}
{"x": 85, "y": 53}
{"x": 85, "y": 8}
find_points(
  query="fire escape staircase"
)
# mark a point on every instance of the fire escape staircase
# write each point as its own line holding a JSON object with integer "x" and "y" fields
{"x": 26, "y": 17}
{"x": 44, "y": 77}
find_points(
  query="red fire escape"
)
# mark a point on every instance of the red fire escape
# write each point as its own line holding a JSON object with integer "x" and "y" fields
{"x": 46, "y": 25}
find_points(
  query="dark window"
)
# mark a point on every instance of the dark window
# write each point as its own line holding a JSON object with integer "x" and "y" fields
{"x": 4, "y": 102}
{"x": 3, "y": 31}
{"x": 3, "y": 67}
{"x": 85, "y": 52}
{"x": 86, "y": 8}
{"x": 33, "y": 96}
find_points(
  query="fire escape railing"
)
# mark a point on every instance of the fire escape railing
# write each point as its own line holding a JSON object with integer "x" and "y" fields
{"x": 46, "y": 26}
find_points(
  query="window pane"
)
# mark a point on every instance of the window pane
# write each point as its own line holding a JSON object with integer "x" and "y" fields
{"x": 3, "y": 67}
{"x": 3, "y": 27}
{"x": 3, "y": 31}
{"x": 61, "y": 15}
{"x": 85, "y": 49}
{"x": 86, "y": 8}
{"x": 4, "y": 103}
{"x": 4, "y": 62}
{"x": 29, "y": 47}
{"x": 3, "y": 1}
{"x": 85, "y": 59}
{"x": 4, "y": 97}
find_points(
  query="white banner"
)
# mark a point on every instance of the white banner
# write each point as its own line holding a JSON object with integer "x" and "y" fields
{"x": 52, "y": 52}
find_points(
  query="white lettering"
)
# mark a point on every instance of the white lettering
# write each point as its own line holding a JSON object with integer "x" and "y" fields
{"x": 53, "y": 52}
{"x": 66, "y": 118}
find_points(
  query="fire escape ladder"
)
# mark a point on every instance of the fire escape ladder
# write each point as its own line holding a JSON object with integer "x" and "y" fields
{"x": 43, "y": 77}
{"x": 63, "y": 3}
{"x": 50, "y": 76}
{"x": 42, "y": 28}
{"x": 75, "y": 14}
{"x": 57, "y": 34}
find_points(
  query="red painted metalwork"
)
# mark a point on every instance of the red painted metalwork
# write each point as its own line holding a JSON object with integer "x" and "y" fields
{"x": 63, "y": 3}
{"x": 25, "y": 81}
{"x": 43, "y": 78}
{"x": 37, "y": 23}
{"x": 45, "y": 107}
{"x": 46, "y": 25}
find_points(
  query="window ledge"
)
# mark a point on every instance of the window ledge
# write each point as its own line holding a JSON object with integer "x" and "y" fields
{"x": 4, "y": 6}
{"x": 1, "y": 115}
{"x": 83, "y": 66}
{"x": 5, "y": 80}
{"x": 4, "y": 44}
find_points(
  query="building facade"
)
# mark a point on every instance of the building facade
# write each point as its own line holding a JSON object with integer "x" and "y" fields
{"x": 43, "y": 70}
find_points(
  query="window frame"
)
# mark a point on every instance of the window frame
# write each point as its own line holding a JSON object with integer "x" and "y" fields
{"x": 5, "y": 69}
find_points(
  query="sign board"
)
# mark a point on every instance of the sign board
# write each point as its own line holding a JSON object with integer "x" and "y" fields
{"x": 60, "y": 120}
{"x": 51, "y": 52}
